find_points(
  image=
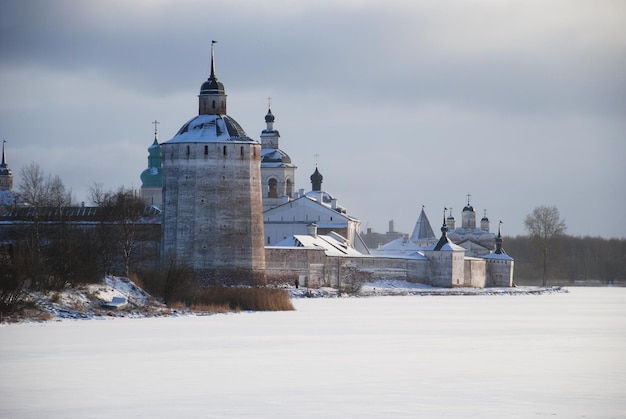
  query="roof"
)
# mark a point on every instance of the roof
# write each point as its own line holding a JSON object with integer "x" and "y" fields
{"x": 333, "y": 244}
{"x": 422, "y": 230}
{"x": 449, "y": 246}
{"x": 273, "y": 155}
{"x": 309, "y": 202}
{"x": 210, "y": 128}
{"x": 499, "y": 256}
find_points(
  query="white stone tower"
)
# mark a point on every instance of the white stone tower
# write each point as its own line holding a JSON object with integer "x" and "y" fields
{"x": 212, "y": 204}
{"x": 276, "y": 168}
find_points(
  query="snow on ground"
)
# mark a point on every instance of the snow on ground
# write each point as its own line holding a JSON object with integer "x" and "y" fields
{"x": 493, "y": 356}
{"x": 399, "y": 287}
{"x": 86, "y": 301}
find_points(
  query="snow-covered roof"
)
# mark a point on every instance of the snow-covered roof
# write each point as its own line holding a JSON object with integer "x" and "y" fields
{"x": 498, "y": 256}
{"x": 210, "y": 128}
{"x": 333, "y": 244}
{"x": 447, "y": 246}
{"x": 272, "y": 157}
{"x": 311, "y": 203}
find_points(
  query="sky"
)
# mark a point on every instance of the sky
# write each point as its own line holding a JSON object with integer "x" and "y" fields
{"x": 407, "y": 103}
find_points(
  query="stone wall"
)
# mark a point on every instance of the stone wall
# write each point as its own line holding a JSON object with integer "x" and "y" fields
{"x": 212, "y": 205}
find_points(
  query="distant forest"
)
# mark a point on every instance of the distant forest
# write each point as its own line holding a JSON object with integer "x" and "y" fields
{"x": 572, "y": 260}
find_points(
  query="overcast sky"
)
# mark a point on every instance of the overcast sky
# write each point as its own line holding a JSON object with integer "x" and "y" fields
{"x": 407, "y": 103}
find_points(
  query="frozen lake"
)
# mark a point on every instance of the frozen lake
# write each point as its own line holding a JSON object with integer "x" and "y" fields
{"x": 559, "y": 355}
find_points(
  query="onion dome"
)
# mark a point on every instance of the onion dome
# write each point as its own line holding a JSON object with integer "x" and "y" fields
{"x": 269, "y": 117}
{"x": 153, "y": 175}
{"x": 316, "y": 180}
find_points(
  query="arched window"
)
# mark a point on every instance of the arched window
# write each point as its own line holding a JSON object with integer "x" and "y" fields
{"x": 273, "y": 189}
{"x": 224, "y": 150}
{"x": 213, "y": 104}
{"x": 289, "y": 188}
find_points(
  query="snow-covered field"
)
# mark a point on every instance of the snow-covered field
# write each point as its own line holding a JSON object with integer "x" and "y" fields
{"x": 516, "y": 356}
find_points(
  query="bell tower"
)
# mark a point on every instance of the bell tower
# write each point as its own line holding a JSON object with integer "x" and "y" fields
{"x": 6, "y": 174}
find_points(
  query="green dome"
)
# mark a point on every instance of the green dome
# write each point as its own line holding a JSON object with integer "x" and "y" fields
{"x": 153, "y": 175}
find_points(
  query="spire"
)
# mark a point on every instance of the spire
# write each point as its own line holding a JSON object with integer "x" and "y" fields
{"x": 443, "y": 240}
{"x": 499, "y": 249}
{"x": 156, "y": 131}
{"x": 4, "y": 156}
{"x": 212, "y": 95}
{"x": 213, "y": 61}
{"x": 6, "y": 174}
{"x": 269, "y": 116}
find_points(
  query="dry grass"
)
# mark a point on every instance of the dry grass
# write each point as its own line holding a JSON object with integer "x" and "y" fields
{"x": 211, "y": 308}
{"x": 254, "y": 299}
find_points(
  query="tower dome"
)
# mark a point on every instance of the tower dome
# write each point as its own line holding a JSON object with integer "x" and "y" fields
{"x": 316, "y": 180}
{"x": 269, "y": 117}
{"x": 153, "y": 175}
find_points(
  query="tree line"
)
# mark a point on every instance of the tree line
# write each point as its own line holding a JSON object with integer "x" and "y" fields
{"x": 547, "y": 254}
{"x": 48, "y": 249}
{"x": 572, "y": 259}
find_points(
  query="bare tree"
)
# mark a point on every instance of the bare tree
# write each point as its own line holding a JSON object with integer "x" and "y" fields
{"x": 544, "y": 225}
{"x": 117, "y": 232}
{"x": 40, "y": 190}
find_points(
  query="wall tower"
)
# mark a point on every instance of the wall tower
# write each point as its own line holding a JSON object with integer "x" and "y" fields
{"x": 212, "y": 203}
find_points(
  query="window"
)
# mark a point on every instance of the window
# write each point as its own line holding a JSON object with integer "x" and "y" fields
{"x": 224, "y": 150}
{"x": 206, "y": 150}
{"x": 213, "y": 104}
{"x": 242, "y": 153}
{"x": 273, "y": 189}
{"x": 188, "y": 152}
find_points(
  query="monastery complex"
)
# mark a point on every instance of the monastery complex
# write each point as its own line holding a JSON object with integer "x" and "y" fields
{"x": 229, "y": 205}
